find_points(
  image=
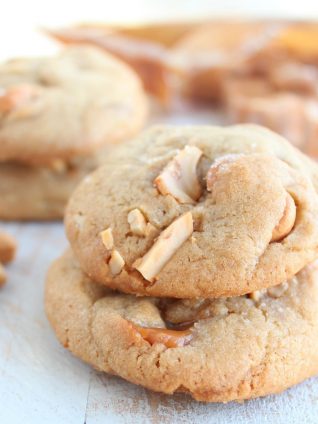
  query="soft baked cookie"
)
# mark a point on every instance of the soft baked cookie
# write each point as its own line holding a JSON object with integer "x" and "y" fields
{"x": 197, "y": 212}
{"x": 7, "y": 253}
{"x": 216, "y": 350}
{"x": 59, "y": 111}
{"x": 67, "y": 105}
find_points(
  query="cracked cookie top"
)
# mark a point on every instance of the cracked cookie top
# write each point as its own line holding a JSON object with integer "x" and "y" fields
{"x": 67, "y": 105}
{"x": 197, "y": 212}
{"x": 215, "y": 349}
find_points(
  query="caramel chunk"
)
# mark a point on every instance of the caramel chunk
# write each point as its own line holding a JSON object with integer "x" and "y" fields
{"x": 170, "y": 338}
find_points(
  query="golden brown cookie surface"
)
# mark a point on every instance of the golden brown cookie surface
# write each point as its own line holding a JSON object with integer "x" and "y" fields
{"x": 225, "y": 210}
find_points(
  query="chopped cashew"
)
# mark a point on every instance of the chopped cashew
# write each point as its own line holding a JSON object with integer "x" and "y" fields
{"x": 107, "y": 238}
{"x": 137, "y": 222}
{"x": 179, "y": 177}
{"x": 164, "y": 247}
{"x": 287, "y": 221}
{"x": 116, "y": 263}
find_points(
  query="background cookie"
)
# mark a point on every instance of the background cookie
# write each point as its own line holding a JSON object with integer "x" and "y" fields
{"x": 67, "y": 105}
{"x": 230, "y": 349}
{"x": 197, "y": 212}
{"x": 30, "y": 192}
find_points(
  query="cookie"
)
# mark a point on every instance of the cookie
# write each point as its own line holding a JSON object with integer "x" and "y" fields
{"x": 216, "y": 350}
{"x": 7, "y": 253}
{"x": 59, "y": 117}
{"x": 66, "y": 106}
{"x": 197, "y": 212}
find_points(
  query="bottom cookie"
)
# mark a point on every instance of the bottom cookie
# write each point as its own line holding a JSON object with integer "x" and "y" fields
{"x": 216, "y": 350}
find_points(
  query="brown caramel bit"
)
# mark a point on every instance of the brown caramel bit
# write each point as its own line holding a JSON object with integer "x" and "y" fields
{"x": 179, "y": 177}
{"x": 116, "y": 263}
{"x": 287, "y": 221}
{"x": 165, "y": 247}
{"x": 216, "y": 167}
{"x": 13, "y": 97}
{"x": 107, "y": 238}
{"x": 137, "y": 222}
{"x": 170, "y": 338}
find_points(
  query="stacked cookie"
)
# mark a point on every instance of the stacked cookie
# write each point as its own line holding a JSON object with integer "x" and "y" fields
{"x": 59, "y": 116}
{"x": 191, "y": 264}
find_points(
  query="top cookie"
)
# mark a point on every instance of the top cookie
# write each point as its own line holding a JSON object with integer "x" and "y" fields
{"x": 197, "y": 212}
{"x": 71, "y": 104}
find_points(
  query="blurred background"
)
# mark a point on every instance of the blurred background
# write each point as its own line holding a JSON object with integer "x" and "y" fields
{"x": 242, "y": 70}
{"x": 20, "y": 19}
